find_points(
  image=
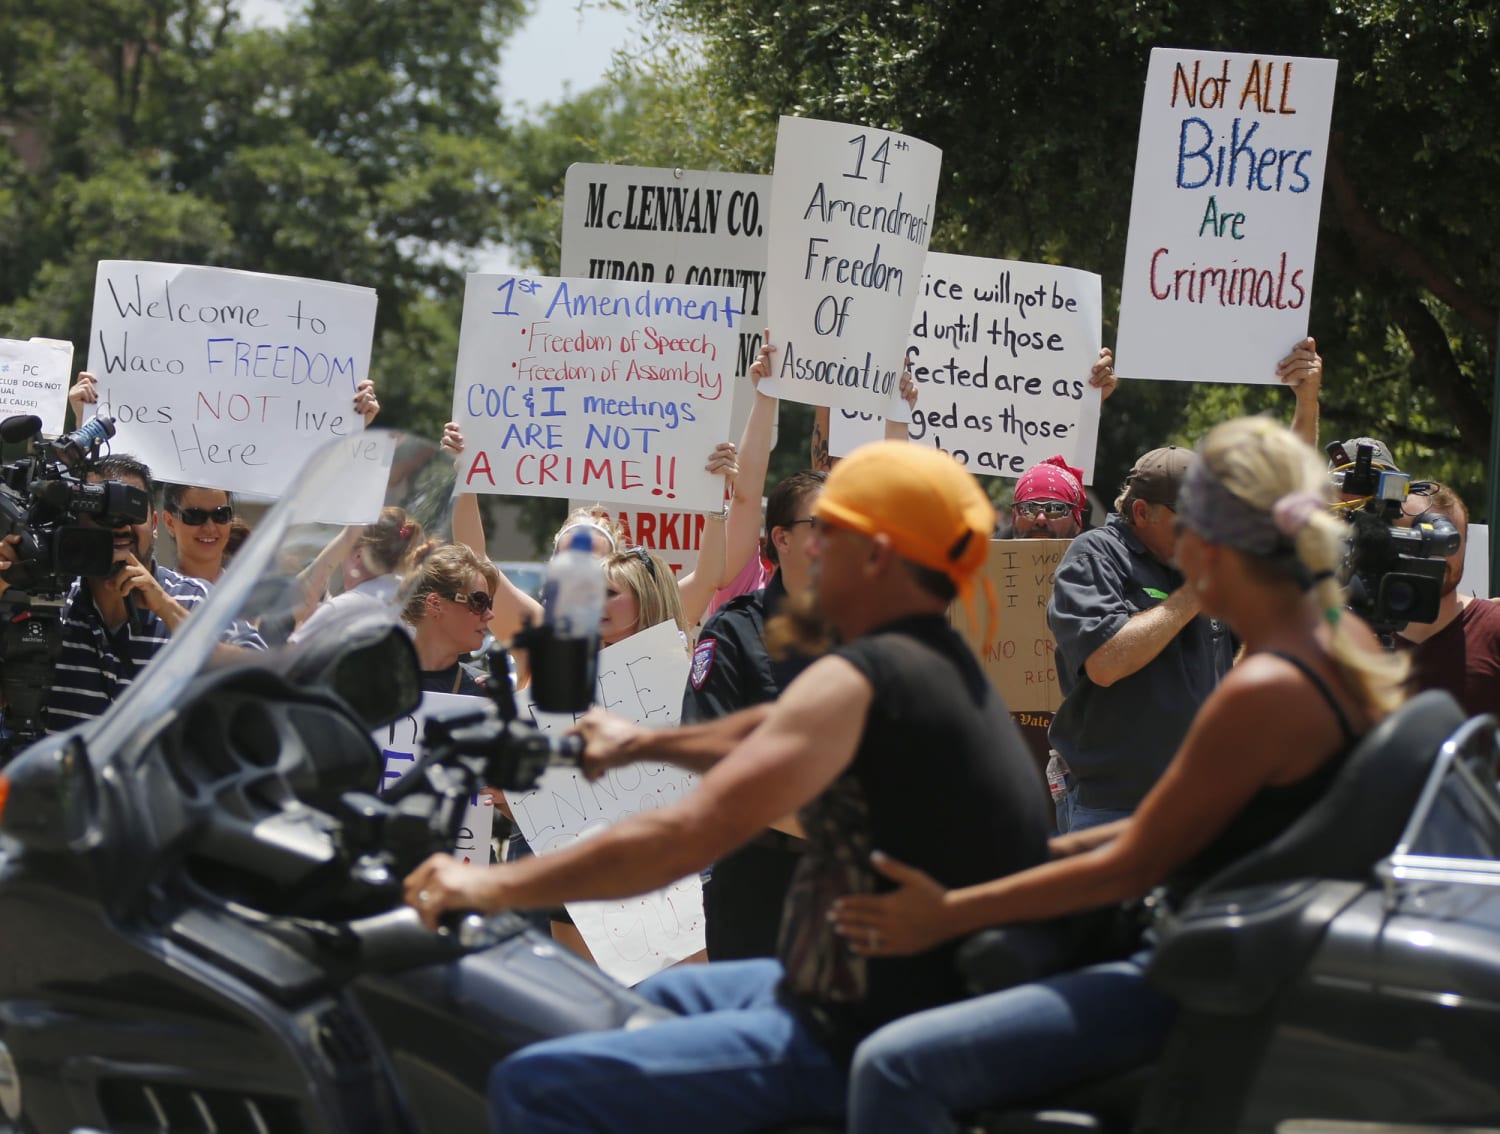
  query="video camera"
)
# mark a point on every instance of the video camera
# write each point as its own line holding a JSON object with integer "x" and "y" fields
{"x": 1392, "y": 575}
{"x": 45, "y": 494}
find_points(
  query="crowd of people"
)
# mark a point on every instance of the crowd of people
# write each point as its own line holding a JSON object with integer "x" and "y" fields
{"x": 866, "y": 801}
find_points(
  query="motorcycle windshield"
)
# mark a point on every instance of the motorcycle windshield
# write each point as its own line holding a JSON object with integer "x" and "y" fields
{"x": 357, "y": 499}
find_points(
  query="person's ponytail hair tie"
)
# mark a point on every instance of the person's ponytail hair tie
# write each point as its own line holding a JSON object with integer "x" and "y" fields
{"x": 1293, "y": 510}
{"x": 405, "y": 530}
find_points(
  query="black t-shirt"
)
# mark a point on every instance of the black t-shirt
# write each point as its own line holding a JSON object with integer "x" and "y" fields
{"x": 457, "y": 678}
{"x": 941, "y": 781}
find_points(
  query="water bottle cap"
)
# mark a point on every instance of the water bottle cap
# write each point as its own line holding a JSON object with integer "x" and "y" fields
{"x": 582, "y": 540}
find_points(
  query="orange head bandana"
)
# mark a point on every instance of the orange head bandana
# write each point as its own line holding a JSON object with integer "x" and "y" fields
{"x": 928, "y": 505}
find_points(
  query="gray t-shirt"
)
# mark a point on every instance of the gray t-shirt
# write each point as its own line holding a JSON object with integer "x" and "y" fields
{"x": 1118, "y": 739}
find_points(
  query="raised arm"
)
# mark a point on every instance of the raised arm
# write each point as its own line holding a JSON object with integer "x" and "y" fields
{"x": 1302, "y": 370}
{"x": 742, "y": 521}
{"x": 513, "y": 606}
{"x": 900, "y": 430}
{"x": 699, "y": 584}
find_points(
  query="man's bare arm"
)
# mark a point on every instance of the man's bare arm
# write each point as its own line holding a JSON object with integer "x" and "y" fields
{"x": 613, "y": 742}
{"x": 1142, "y": 638}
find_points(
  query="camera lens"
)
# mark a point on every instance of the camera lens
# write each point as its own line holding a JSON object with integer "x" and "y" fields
{"x": 1399, "y": 597}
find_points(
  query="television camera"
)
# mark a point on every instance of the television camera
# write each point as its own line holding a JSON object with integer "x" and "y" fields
{"x": 1392, "y": 574}
{"x": 63, "y": 524}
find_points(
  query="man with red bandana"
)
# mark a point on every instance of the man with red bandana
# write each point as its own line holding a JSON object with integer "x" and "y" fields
{"x": 1049, "y": 502}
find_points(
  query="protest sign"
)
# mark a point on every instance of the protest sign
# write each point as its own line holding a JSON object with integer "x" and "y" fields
{"x": 399, "y": 743}
{"x": 223, "y": 378}
{"x": 34, "y": 378}
{"x": 610, "y": 390}
{"x": 851, "y": 215}
{"x": 1020, "y": 662}
{"x": 1001, "y": 352}
{"x": 1223, "y": 215}
{"x": 629, "y": 222}
{"x": 676, "y": 535}
{"x": 641, "y": 678}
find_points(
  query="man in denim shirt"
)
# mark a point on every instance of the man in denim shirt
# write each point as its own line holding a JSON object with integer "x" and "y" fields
{"x": 1135, "y": 659}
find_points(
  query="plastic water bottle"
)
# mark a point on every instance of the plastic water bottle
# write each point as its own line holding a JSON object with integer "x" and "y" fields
{"x": 564, "y": 649}
{"x": 1057, "y": 777}
{"x": 573, "y": 594}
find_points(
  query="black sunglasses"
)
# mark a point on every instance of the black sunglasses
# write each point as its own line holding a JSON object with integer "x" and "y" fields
{"x": 477, "y": 601}
{"x": 193, "y": 517}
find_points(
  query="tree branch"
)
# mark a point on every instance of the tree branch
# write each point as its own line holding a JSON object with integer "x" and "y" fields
{"x": 1376, "y": 248}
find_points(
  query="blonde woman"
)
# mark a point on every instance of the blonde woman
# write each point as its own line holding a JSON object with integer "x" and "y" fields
{"x": 1259, "y": 546}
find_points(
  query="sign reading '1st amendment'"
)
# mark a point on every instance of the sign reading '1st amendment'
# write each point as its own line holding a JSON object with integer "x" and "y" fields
{"x": 222, "y": 378}
{"x": 597, "y": 389}
{"x": 851, "y": 215}
{"x": 1224, "y": 215}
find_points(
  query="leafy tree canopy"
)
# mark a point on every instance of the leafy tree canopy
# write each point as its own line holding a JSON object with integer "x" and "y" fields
{"x": 1038, "y": 116}
{"x": 358, "y": 143}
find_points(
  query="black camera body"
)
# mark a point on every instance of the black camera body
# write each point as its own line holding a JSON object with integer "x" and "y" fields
{"x": 45, "y": 495}
{"x": 1392, "y": 575}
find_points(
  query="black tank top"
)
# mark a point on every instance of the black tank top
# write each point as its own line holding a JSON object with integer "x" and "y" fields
{"x": 1274, "y": 808}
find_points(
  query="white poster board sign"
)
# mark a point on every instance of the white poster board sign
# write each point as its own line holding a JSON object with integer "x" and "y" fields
{"x": 34, "y": 378}
{"x": 602, "y": 389}
{"x": 399, "y": 742}
{"x": 851, "y": 215}
{"x": 641, "y": 678}
{"x": 1001, "y": 352}
{"x": 1476, "y": 577}
{"x": 222, "y": 378}
{"x": 690, "y": 226}
{"x": 1223, "y": 215}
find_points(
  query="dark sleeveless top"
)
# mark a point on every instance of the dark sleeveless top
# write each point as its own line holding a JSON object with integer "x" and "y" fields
{"x": 1272, "y": 809}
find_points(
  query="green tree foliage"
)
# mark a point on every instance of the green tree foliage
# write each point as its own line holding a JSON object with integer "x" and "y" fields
{"x": 1037, "y": 116}
{"x": 358, "y": 143}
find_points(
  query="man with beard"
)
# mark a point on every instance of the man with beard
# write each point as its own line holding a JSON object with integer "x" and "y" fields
{"x": 894, "y": 737}
{"x": 1459, "y": 650}
{"x": 113, "y": 625}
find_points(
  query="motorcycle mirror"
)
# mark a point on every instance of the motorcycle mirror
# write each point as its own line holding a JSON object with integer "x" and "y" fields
{"x": 367, "y": 660}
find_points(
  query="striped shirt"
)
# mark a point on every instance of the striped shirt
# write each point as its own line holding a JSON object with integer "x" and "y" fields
{"x": 96, "y": 665}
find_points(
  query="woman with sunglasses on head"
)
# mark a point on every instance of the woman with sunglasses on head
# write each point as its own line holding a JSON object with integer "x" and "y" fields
{"x": 449, "y": 607}
{"x": 1259, "y": 547}
{"x": 639, "y": 593}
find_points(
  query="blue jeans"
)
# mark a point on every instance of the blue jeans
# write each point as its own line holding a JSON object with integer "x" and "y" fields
{"x": 916, "y": 1073}
{"x": 738, "y": 1061}
{"x": 1073, "y": 816}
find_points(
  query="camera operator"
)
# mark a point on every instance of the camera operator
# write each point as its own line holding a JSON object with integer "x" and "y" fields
{"x": 1459, "y": 650}
{"x": 114, "y": 624}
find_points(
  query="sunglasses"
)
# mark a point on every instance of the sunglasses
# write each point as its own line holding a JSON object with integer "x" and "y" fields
{"x": 1052, "y": 509}
{"x": 478, "y": 602}
{"x": 193, "y": 517}
{"x": 645, "y": 557}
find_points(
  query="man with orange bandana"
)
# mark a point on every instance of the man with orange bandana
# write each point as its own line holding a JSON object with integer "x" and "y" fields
{"x": 893, "y": 739}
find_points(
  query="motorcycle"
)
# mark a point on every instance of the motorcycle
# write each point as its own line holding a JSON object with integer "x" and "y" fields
{"x": 1343, "y": 978}
{"x": 203, "y": 931}
{"x": 200, "y": 891}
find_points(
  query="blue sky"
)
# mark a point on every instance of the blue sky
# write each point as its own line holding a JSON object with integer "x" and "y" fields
{"x": 559, "y": 48}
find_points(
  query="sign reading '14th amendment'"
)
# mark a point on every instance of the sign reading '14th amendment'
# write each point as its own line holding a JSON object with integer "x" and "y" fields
{"x": 1224, "y": 215}
{"x": 597, "y": 389}
{"x": 851, "y": 215}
